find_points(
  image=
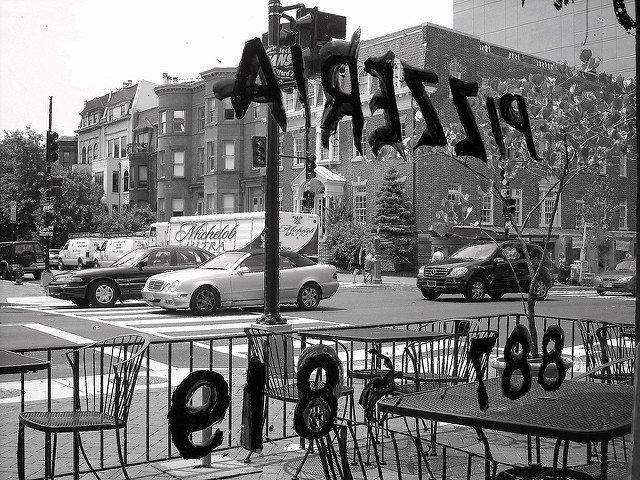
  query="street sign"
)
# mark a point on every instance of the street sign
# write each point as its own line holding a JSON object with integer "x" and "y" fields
{"x": 48, "y": 207}
{"x": 13, "y": 208}
{"x": 46, "y": 231}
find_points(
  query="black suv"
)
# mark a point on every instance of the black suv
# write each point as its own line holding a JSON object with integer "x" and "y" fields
{"x": 485, "y": 268}
{"x": 27, "y": 254}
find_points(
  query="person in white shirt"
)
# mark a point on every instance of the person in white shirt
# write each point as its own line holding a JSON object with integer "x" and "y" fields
{"x": 437, "y": 255}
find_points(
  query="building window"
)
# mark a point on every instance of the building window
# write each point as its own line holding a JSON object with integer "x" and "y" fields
{"x": 211, "y": 156}
{"x": 311, "y": 93}
{"x": 161, "y": 205}
{"x": 229, "y": 155}
{"x": 84, "y": 155}
{"x": 363, "y": 145}
{"x": 115, "y": 183}
{"x": 161, "y": 164}
{"x": 229, "y": 112}
{"x": 201, "y": 118}
{"x": 89, "y": 149}
{"x": 211, "y": 204}
{"x": 579, "y": 212}
{"x": 95, "y": 151}
{"x": 486, "y": 212}
{"x": 131, "y": 179}
{"x": 228, "y": 203}
{"x": 178, "y": 121}
{"x": 298, "y": 150}
{"x": 334, "y": 144}
{"x": 177, "y": 207}
{"x": 116, "y": 147}
{"x": 200, "y": 203}
{"x": 211, "y": 110}
{"x": 162, "y": 122}
{"x": 109, "y": 150}
{"x": 289, "y": 103}
{"x": 143, "y": 176}
{"x": 623, "y": 166}
{"x": 454, "y": 190}
{"x": 546, "y": 208}
{"x": 125, "y": 181}
{"x": 622, "y": 220}
{"x": 200, "y": 162}
{"x": 360, "y": 203}
{"x": 98, "y": 178}
{"x": 516, "y": 194}
{"x": 324, "y": 152}
{"x": 123, "y": 147}
{"x": 363, "y": 82}
{"x": 255, "y": 110}
{"x": 178, "y": 164}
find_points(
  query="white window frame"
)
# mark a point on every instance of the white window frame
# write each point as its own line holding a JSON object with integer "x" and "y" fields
{"x": 211, "y": 156}
{"x": 211, "y": 110}
{"x": 211, "y": 203}
{"x": 298, "y": 150}
{"x": 162, "y": 122}
{"x": 177, "y": 205}
{"x": 623, "y": 215}
{"x": 360, "y": 203}
{"x": 546, "y": 208}
{"x": 486, "y": 210}
{"x": 201, "y": 162}
{"x": 454, "y": 190}
{"x": 178, "y": 162}
{"x": 516, "y": 194}
{"x": 229, "y": 155}
{"x": 228, "y": 203}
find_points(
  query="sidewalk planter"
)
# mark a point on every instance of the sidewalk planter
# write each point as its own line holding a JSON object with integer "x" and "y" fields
{"x": 551, "y": 372}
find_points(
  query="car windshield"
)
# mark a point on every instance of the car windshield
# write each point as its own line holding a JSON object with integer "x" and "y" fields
{"x": 224, "y": 261}
{"x": 131, "y": 258}
{"x": 626, "y": 265}
{"x": 474, "y": 252}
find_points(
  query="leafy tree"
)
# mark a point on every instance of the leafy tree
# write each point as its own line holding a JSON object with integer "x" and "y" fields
{"x": 576, "y": 130}
{"x": 600, "y": 212}
{"x": 135, "y": 220}
{"x": 394, "y": 219}
{"x": 344, "y": 234}
{"x": 23, "y": 173}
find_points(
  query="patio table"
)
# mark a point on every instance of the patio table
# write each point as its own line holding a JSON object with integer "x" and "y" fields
{"x": 578, "y": 411}
{"x": 12, "y": 362}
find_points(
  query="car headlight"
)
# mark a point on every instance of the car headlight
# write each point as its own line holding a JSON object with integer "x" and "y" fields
{"x": 597, "y": 278}
{"x": 171, "y": 287}
{"x": 421, "y": 270}
{"x": 458, "y": 272}
{"x": 625, "y": 279}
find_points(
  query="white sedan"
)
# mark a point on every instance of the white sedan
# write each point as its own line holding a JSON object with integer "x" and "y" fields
{"x": 236, "y": 279}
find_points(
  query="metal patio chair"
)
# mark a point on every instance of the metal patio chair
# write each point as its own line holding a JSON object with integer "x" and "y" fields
{"x": 617, "y": 342}
{"x": 104, "y": 378}
{"x": 278, "y": 352}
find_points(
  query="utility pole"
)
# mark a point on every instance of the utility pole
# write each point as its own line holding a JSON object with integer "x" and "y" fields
{"x": 271, "y": 315}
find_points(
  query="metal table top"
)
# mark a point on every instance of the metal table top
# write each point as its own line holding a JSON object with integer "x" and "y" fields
{"x": 374, "y": 334}
{"x": 12, "y": 362}
{"x": 579, "y": 411}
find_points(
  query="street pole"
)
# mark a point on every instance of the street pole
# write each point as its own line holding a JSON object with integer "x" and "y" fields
{"x": 271, "y": 314}
{"x": 46, "y": 215}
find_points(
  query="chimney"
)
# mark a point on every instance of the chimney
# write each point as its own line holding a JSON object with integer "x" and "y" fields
{"x": 165, "y": 78}
{"x": 175, "y": 79}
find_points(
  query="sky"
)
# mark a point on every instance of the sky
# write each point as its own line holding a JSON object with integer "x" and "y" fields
{"x": 76, "y": 50}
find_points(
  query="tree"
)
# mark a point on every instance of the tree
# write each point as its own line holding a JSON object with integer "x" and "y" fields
{"x": 577, "y": 127}
{"x": 135, "y": 220}
{"x": 599, "y": 211}
{"x": 344, "y": 234}
{"x": 394, "y": 219}
{"x": 23, "y": 173}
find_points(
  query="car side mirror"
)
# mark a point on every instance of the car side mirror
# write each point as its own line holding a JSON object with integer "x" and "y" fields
{"x": 498, "y": 260}
{"x": 141, "y": 263}
{"x": 243, "y": 270}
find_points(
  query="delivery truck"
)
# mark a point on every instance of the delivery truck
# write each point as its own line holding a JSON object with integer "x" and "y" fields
{"x": 221, "y": 232}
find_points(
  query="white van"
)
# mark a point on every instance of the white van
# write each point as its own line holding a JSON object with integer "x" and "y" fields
{"x": 78, "y": 252}
{"x": 114, "y": 248}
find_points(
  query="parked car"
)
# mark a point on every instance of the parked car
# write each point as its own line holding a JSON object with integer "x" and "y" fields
{"x": 53, "y": 257}
{"x": 484, "y": 268}
{"x": 78, "y": 252}
{"x": 622, "y": 278}
{"x": 103, "y": 287}
{"x": 236, "y": 279}
{"x": 25, "y": 254}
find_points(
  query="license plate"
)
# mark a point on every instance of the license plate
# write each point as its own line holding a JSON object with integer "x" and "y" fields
{"x": 431, "y": 283}
{"x": 606, "y": 284}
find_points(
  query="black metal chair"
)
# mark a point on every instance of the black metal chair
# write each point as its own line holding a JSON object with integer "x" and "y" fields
{"x": 617, "y": 342}
{"x": 277, "y": 351}
{"x": 104, "y": 378}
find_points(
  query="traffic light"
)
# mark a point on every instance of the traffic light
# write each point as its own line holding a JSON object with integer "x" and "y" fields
{"x": 310, "y": 166}
{"x": 316, "y": 28}
{"x": 52, "y": 146}
{"x": 56, "y": 186}
{"x": 259, "y": 145}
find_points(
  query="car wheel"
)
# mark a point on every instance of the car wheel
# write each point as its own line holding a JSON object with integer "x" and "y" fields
{"x": 37, "y": 275}
{"x": 496, "y": 295}
{"x": 80, "y": 264}
{"x": 601, "y": 292}
{"x": 309, "y": 297}
{"x": 541, "y": 290}
{"x": 60, "y": 264}
{"x": 476, "y": 289}
{"x": 429, "y": 295}
{"x": 103, "y": 293}
{"x": 205, "y": 300}
{"x": 81, "y": 303}
{"x": 5, "y": 273}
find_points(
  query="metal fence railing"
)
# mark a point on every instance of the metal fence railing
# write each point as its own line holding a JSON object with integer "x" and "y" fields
{"x": 166, "y": 364}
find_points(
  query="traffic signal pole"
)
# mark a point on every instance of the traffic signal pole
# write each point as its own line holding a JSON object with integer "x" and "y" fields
{"x": 271, "y": 315}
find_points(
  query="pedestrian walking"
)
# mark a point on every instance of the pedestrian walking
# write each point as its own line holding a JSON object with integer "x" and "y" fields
{"x": 356, "y": 262}
{"x": 369, "y": 259}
